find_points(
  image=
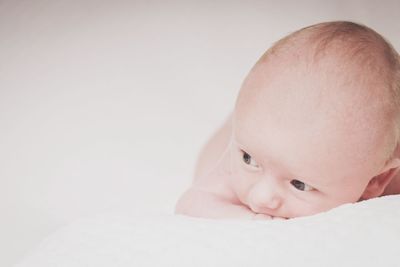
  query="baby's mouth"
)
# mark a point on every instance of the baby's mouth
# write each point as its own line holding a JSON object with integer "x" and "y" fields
{"x": 257, "y": 209}
{"x": 265, "y": 211}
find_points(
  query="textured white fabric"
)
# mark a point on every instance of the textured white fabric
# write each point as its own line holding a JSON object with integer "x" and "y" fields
{"x": 362, "y": 234}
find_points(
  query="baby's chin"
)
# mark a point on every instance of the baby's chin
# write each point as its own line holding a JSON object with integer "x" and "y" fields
{"x": 263, "y": 216}
{"x": 280, "y": 218}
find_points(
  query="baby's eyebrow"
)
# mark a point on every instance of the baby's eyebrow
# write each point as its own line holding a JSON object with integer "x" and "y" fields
{"x": 249, "y": 151}
{"x": 241, "y": 146}
{"x": 306, "y": 179}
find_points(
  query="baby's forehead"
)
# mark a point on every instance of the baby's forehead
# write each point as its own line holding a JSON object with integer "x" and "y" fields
{"x": 308, "y": 76}
{"x": 296, "y": 87}
{"x": 322, "y": 101}
{"x": 308, "y": 140}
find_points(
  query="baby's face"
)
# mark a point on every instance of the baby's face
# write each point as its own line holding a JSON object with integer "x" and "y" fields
{"x": 297, "y": 151}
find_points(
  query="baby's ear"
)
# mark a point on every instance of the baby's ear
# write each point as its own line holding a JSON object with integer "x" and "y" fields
{"x": 377, "y": 185}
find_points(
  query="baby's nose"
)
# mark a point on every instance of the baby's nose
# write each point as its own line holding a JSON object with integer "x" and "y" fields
{"x": 264, "y": 195}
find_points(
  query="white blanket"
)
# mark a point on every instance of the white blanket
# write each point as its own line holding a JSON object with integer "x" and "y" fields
{"x": 362, "y": 234}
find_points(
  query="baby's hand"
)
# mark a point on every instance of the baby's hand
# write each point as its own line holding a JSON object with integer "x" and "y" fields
{"x": 261, "y": 217}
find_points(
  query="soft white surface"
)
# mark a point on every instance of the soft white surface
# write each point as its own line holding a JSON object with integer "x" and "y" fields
{"x": 362, "y": 234}
{"x": 104, "y": 104}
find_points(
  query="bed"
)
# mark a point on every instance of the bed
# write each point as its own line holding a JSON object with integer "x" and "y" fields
{"x": 362, "y": 234}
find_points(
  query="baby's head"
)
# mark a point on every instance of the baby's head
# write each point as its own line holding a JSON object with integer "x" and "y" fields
{"x": 317, "y": 122}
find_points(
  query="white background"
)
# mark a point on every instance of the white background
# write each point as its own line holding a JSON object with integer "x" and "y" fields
{"x": 105, "y": 104}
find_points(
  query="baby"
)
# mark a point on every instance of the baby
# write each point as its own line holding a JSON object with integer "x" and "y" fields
{"x": 316, "y": 124}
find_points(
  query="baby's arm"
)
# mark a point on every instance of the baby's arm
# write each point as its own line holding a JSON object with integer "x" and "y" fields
{"x": 213, "y": 151}
{"x": 198, "y": 203}
{"x": 210, "y": 196}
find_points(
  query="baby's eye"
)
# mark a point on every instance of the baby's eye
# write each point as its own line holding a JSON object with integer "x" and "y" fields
{"x": 299, "y": 185}
{"x": 249, "y": 160}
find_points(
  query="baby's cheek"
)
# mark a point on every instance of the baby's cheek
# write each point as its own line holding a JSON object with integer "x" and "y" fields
{"x": 318, "y": 206}
{"x": 294, "y": 207}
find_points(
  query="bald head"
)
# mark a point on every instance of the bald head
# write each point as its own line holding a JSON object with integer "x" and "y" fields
{"x": 336, "y": 77}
